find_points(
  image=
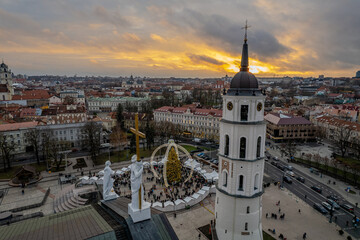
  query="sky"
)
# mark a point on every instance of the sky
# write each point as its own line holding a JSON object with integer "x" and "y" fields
{"x": 180, "y": 38}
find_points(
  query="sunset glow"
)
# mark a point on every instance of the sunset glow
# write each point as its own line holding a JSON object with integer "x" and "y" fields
{"x": 158, "y": 39}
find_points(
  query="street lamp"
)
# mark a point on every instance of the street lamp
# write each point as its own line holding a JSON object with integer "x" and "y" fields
{"x": 331, "y": 212}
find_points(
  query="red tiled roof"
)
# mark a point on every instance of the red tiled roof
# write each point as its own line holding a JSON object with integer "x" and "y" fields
{"x": 338, "y": 122}
{"x": 286, "y": 119}
{"x": 195, "y": 111}
{"x": 16, "y": 126}
{"x": 32, "y": 94}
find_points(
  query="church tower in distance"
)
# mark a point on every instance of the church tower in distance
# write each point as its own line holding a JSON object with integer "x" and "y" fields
{"x": 238, "y": 203}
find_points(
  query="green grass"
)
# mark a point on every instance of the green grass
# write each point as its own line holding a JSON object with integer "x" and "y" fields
{"x": 349, "y": 161}
{"x": 189, "y": 148}
{"x": 11, "y": 172}
{"x": 338, "y": 171}
{"x": 267, "y": 236}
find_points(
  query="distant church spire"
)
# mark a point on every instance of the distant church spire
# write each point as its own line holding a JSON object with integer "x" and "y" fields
{"x": 245, "y": 57}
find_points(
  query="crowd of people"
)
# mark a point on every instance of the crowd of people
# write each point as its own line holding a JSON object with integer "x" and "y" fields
{"x": 155, "y": 189}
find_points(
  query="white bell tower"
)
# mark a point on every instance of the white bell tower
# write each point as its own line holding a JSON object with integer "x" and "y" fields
{"x": 238, "y": 208}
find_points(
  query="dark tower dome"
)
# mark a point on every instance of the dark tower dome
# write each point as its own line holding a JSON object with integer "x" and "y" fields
{"x": 244, "y": 81}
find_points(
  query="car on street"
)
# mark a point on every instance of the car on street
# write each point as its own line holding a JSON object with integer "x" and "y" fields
{"x": 216, "y": 162}
{"x": 288, "y": 167}
{"x": 281, "y": 167}
{"x": 273, "y": 163}
{"x": 314, "y": 171}
{"x": 301, "y": 179}
{"x": 200, "y": 154}
{"x": 290, "y": 173}
{"x": 276, "y": 158}
{"x": 333, "y": 197}
{"x": 213, "y": 160}
{"x": 320, "y": 208}
{"x": 347, "y": 207}
{"x": 326, "y": 205}
{"x": 287, "y": 179}
{"x": 316, "y": 189}
{"x": 333, "y": 203}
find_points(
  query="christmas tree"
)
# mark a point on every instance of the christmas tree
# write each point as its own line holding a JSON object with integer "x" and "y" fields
{"x": 173, "y": 167}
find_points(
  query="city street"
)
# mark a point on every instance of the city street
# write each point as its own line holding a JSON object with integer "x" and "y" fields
{"x": 302, "y": 189}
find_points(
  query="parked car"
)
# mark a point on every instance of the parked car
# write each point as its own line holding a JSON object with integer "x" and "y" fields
{"x": 290, "y": 173}
{"x": 301, "y": 179}
{"x": 276, "y": 158}
{"x": 326, "y": 205}
{"x": 216, "y": 162}
{"x": 288, "y": 167}
{"x": 347, "y": 207}
{"x": 200, "y": 154}
{"x": 320, "y": 208}
{"x": 273, "y": 163}
{"x": 333, "y": 203}
{"x": 281, "y": 167}
{"x": 287, "y": 179}
{"x": 333, "y": 197}
{"x": 213, "y": 160}
{"x": 314, "y": 171}
{"x": 316, "y": 189}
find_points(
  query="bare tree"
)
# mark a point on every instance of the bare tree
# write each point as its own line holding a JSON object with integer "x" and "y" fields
{"x": 355, "y": 172}
{"x": 33, "y": 137}
{"x": 343, "y": 134}
{"x": 326, "y": 161}
{"x": 317, "y": 159}
{"x": 118, "y": 138}
{"x": 55, "y": 149}
{"x": 92, "y": 138}
{"x": 355, "y": 144}
{"x": 335, "y": 165}
{"x": 7, "y": 150}
{"x": 289, "y": 148}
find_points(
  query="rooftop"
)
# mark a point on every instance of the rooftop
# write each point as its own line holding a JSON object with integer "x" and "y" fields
{"x": 286, "y": 119}
{"x": 82, "y": 223}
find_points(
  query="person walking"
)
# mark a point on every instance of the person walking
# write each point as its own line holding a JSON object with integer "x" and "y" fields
{"x": 304, "y": 236}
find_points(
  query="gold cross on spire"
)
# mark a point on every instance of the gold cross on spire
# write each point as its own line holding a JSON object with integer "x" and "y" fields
{"x": 137, "y": 134}
{"x": 246, "y": 28}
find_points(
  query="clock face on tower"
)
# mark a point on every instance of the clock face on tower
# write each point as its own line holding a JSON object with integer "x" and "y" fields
{"x": 259, "y": 106}
{"x": 229, "y": 106}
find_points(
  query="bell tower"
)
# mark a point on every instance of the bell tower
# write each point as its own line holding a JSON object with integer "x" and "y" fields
{"x": 238, "y": 207}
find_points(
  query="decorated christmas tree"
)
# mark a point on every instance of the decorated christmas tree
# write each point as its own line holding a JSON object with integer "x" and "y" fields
{"x": 173, "y": 167}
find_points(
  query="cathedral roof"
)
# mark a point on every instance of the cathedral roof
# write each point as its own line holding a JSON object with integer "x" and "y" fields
{"x": 244, "y": 80}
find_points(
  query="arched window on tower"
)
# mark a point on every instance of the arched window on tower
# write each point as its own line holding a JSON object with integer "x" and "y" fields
{"x": 256, "y": 182}
{"x": 241, "y": 183}
{"x": 242, "y": 147}
{"x": 244, "y": 112}
{"x": 227, "y": 143}
{"x": 258, "y": 147}
{"x": 246, "y": 226}
{"x": 225, "y": 177}
{"x": 248, "y": 209}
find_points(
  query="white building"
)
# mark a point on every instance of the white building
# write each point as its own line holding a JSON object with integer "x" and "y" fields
{"x": 16, "y": 134}
{"x": 202, "y": 123}
{"x": 238, "y": 207}
{"x": 110, "y": 104}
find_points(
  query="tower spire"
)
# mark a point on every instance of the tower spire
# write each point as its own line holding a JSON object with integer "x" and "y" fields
{"x": 245, "y": 55}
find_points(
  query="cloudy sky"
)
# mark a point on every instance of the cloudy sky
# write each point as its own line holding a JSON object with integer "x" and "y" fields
{"x": 180, "y": 38}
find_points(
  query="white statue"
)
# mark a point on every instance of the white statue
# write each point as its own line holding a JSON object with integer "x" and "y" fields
{"x": 138, "y": 209}
{"x": 136, "y": 183}
{"x": 108, "y": 190}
